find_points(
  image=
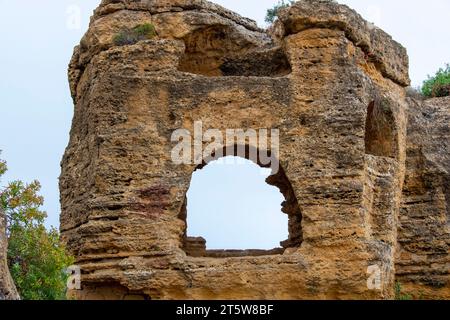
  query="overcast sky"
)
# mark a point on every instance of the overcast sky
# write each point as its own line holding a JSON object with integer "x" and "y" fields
{"x": 37, "y": 38}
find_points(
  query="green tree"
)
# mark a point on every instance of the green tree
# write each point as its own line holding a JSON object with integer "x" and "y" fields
{"x": 273, "y": 12}
{"x": 37, "y": 260}
{"x": 438, "y": 85}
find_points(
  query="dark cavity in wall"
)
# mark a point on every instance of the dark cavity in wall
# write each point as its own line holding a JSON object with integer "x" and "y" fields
{"x": 381, "y": 135}
{"x": 217, "y": 51}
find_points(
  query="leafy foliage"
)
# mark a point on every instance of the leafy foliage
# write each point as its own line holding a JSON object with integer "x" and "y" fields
{"x": 131, "y": 36}
{"x": 273, "y": 12}
{"x": 439, "y": 84}
{"x": 399, "y": 295}
{"x": 36, "y": 258}
{"x": 21, "y": 204}
{"x": 2, "y": 167}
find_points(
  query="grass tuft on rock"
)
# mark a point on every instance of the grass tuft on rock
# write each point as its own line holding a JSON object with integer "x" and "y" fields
{"x": 140, "y": 32}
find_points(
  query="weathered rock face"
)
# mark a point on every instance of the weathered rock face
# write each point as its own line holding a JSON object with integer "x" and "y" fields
{"x": 8, "y": 290}
{"x": 423, "y": 263}
{"x": 332, "y": 84}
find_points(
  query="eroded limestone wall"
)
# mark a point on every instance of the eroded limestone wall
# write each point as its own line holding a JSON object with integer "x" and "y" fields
{"x": 423, "y": 259}
{"x": 333, "y": 87}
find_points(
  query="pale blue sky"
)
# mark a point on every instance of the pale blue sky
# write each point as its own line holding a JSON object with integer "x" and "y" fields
{"x": 232, "y": 207}
{"x": 36, "y": 109}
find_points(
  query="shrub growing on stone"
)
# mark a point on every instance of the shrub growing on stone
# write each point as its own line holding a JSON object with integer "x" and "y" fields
{"x": 399, "y": 294}
{"x": 131, "y": 36}
{"x": 438, "y": 85}
{"x": 273, "y": 12}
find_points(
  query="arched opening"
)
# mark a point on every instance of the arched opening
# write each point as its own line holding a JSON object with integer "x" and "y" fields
{"x": 236, "y": 208}
{"x": 380, "y": 138}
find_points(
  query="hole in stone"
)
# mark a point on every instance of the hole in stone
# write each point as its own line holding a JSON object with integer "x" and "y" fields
{"x": 236, "y": 208}
{"x": 269, "y": 63}
{"x": 380, "y": 138}
{"x": 219, "y": 51}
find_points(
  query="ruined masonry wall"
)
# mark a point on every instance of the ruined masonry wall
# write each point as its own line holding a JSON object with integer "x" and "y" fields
{"x": 330, "y": 82}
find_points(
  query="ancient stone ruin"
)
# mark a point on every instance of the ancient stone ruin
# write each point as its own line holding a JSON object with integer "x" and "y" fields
{"x": 364, "y": 169}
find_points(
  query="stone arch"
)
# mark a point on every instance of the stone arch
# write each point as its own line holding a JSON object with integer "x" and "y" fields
{"x": 121, "y": 194}
{"x": 381, "y": 134}
{"x": 197, "y": 246}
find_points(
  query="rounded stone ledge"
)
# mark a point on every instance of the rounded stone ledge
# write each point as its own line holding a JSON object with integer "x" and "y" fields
{"x": 388, "y": 55}
{"x": 169, "y": 24}
{"x": 161, "y": 6}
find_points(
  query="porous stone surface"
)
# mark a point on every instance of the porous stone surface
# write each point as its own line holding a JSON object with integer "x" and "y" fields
{"x": 332, "y": 84}
{"x": 423, "y": 260}
{"x": 8, "y": 289}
